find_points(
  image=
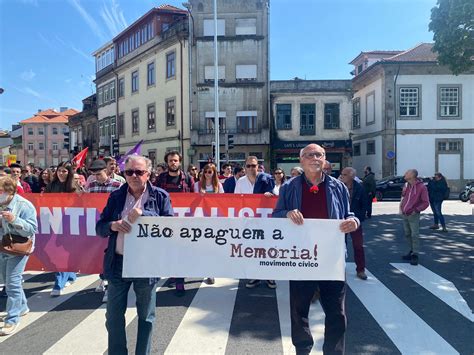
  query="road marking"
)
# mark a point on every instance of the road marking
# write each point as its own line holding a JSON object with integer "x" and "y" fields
{"x": 316, "y": 321}
{"x": 92, "y": 329}
{"x": 43, "y": 301}
{"x": 409, "y": 333}
{"x": 438, "y": 286}
{"x": 205, "y": 326}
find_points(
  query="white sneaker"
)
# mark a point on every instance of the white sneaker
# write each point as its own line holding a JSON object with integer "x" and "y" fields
{"x": 8, "y": 329}
{"x": 101, "y": 286}
{"x": 105, "y": 298}
{"x": 55, "y": 293}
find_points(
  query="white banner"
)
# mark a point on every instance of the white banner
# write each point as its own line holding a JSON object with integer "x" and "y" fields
{"x": 242, "y": 248}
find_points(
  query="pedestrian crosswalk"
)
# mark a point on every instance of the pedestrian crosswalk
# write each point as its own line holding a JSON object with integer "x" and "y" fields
{"x": 208, "y": 320}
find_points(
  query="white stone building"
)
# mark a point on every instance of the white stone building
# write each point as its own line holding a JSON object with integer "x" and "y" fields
{"x": 410, "y": 112}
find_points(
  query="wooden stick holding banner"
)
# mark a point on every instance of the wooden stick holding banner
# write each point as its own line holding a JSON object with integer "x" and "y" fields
{"x": 244, "y": 248}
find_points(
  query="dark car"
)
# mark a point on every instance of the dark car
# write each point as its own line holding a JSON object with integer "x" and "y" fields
{"x": 392, "y": 186}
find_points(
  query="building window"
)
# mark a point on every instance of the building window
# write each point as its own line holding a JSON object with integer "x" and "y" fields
{"x": 152, "y": 157}
{"x": 135, "y": 126}
{"x": 121, "y": 125}
{"x": 170, "y": 113}
{"x": 55, "y": 130}
{"x": 41, "y": 146}
{"x": 121, "y": 87}
{"x": 112, "y": 126}
{"x": 247, "y": 122}
{"x": 451, "y": 146}
{"x": 31, "y": 146}
{"x": 356, "y": 149}
{"x": 55, "y": 146}
{"x": 30, "y": 131}
{"x": 370, "y": 108}
{"x": 245, "y": 26}
{"x": 100, "y": 96}
{"x": 246, "y": 72}
{"x": 283, "y": 116}
{"x": 408, "y": 102}
{"x": 331, "y": 116}
{"x": 307, "y": 118}
{"x": 151, "y": 74}
{"x": 209, "y": 73}
{"x": 106, "y": 93}
{"x": 209, "y": 27}
{"x": 449, "y": 100}
{"x": 151, "y": 117}
{"x": 40, "y": 131}
{"x": 210, "y": 121}
{"x": 170, "y": 65}
{"x": 370, "y": 147}
{"x": 356, "y": 114}
{"x": 135, "y": 81}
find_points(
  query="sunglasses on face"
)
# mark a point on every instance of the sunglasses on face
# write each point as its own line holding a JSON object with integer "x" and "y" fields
{"x": 193, "y": 169}
{"x": 209, "y": 172}
{"x": 278, "y": 172}
{"x": 130, "y": 172}
{"x": 251, "y": 165}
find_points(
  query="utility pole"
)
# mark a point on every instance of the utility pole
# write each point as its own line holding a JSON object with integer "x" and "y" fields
{"x": 216, "y": 92}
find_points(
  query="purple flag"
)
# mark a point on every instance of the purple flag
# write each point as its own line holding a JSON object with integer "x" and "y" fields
{"x": 134, "y": 151}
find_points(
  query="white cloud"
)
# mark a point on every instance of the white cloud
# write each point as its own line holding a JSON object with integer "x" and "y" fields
{"x": 93, "y": 25}
{"x": 28, "y": 90}
{"x": 86, "y": 56}
{"x": 113, "y": 18}
{"x": 28, "y": 75}
{"x": 45, "y": 40}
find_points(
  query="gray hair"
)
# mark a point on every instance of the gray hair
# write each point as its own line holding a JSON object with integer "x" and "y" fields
{"x": 414, "y": 172}
{"x": 351, "y": 170}
{"x": 139, "y": 158}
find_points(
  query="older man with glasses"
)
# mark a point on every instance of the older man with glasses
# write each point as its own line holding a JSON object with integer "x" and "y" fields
{"x": 316, "y": 195}
{"x": 134, "y": 199}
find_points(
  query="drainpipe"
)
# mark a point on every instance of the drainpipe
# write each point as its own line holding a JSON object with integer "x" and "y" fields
{"x": 269, "y": 115}
{"x": 181, "y": 133}
{"x": 395, "y": 121}
{"x": 116, "y": 111}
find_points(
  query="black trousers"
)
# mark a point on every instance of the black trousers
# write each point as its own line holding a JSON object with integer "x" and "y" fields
{"x": 370, "y": 197}
{"x": 332, "y": 298}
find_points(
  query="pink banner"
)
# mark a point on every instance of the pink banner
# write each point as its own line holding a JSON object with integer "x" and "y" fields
{"x": 66, "y": 239}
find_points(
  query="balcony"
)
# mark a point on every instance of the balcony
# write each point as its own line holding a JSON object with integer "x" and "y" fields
{"x": 249, "y": 137}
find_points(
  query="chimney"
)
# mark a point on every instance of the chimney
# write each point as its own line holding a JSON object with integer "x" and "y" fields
{"x": 62, "y": 109}
{"x": 39, "y": 110}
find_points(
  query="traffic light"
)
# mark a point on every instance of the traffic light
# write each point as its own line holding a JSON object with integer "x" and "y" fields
{"x": 66, "y": 140}
{"x": 115, "y": 147}
{"x": 230, "y": 141}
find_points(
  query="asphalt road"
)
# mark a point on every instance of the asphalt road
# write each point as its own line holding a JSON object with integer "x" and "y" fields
{"x": 399, "y": 309}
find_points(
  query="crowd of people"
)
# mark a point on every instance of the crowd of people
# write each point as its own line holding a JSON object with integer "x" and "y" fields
{"x": 308, "y": 191}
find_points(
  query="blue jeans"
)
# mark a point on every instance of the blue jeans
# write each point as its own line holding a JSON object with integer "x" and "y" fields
{"x": 117, "y": 305}
{"x": 438, "y": 215}
{"x": 11, "y": 271}
{"x": 62, "y": 277}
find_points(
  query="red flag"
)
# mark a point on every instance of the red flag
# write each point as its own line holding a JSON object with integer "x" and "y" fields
{"x": 80, "y": 158}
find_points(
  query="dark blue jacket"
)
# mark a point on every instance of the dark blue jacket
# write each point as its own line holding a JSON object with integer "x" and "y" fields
{"x": 336, "y": 193}
{"x": 158, "y": 204}
{"x": 264, "y": 183}
{"x": 437, "y": 190}
{"x": 359, "y": 200}
{"x": 229, "y": 185}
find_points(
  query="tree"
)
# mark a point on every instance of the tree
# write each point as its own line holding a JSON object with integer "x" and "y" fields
{"x": 452, "y": 22}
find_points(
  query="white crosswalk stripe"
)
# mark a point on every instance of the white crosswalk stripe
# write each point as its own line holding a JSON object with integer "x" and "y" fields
{"x": 206, "y": 324}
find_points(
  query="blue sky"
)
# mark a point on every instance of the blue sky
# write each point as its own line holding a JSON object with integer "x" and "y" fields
{"x": 46, "y": 45}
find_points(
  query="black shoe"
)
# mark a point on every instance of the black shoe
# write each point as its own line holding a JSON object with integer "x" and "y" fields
{"x": 408, "y": 256}
{"x": 414, "y": 259}
{"x": 180, "y": 291}
{"x": 252, "y": 283}
{"x": 271, "y": 284}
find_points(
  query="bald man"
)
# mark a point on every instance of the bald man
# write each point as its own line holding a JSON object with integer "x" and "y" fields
{"x": 297, "y": 202}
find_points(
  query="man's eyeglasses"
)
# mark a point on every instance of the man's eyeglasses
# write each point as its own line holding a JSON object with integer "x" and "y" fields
{"x": 251, "y": 166}
{"x": 130, "y": 172}
{"x": 314, "y": 154}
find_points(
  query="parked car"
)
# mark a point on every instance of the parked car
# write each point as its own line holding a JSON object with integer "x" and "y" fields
{"x": 392, "y": 186}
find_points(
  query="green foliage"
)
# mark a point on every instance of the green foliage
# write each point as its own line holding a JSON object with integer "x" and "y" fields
{"x": 452, "y": 22}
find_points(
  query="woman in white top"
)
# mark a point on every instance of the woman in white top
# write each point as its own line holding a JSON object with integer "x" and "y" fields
{"x": 279, "y": 176}
{"x": 209, "y": 182}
